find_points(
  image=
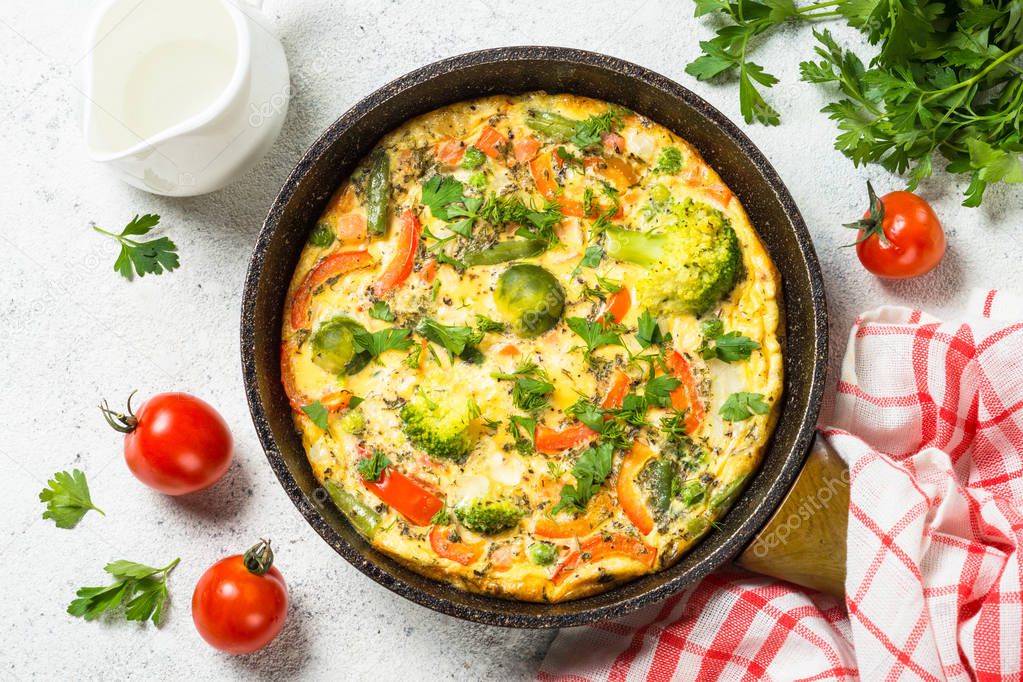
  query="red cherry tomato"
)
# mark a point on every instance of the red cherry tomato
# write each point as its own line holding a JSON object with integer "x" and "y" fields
{"x": 175, "y": 443}
{"x": 240, "y": 603}
{"x": 900, "y": 236}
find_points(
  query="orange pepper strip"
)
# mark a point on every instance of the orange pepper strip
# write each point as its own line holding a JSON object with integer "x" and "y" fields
{"x": 335, "y": 402}
{"x": 613, "y": 142}
{"x": 295, "y": 397}
{"x": 543, "y": 176}
{"x": 619, "y": 171}
{"x": 525, "y": 148}
{"x": 686, "y": 396}
{"x": 489, "y": 142}
{"x": 449, "y": 151}
{"x": 599, "y": 547}
{"x": 405, "y": 495}
{"x": 351, "y": 229}
{"x": 617, "y": 306}
{"x": 581, "y": 526}
{"x": 428, "y": 272}
{"x": 331, "y": 266}
{"x": 404, "y": 259}
{"x": 629, "y": 495}
{"x": 619, "y": 389}
{"x": 465, "y": 553}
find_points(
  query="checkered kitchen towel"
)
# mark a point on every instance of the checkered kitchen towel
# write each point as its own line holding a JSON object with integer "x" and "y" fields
{"x": 929, "y": 416}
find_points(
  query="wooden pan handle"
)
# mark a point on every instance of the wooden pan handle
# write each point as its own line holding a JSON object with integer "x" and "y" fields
{"x": 804, "y": 542}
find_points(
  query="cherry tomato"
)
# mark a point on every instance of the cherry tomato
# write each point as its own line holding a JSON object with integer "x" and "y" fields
{"x": 900, "y": 236}
{"x": 175, "y": 443}
{"x": 240, "y": 603}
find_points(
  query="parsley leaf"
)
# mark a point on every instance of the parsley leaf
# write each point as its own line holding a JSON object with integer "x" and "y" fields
{"x": 67, "y": 498}
{"x": 142, "y": 589}
{"x": 372, "y": 468}
{"x": 589, "y": 132}
{"x": 730, "y": 347}
{"x": 595, "y": 334}
{"x": 381, "y": 311}
{"x": 379, "y": 342}
{"x": 522, "y": 429}
{"x": 317, "y": 413}
{"x": 741, "y": 406}
{"x": 658, "y": 390}
{"x": 456, "y": 340}
{"x": 441, "y": 191}
{"x": 588, "y": 413}
{"x": 142, "y": 257}
{"x": 649, "y": 331}
{"x": 590, "y": 471}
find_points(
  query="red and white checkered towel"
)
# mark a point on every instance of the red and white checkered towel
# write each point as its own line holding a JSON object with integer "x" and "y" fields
{"x": 929, "y": 417}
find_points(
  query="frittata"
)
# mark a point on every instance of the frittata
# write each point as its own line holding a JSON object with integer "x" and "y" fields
{"x": 532, "y": 346}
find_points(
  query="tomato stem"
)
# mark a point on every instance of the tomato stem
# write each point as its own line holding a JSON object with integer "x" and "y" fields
{"x": 259, "y": 558}
{"x": 873, "y": 224}
{"x": 124, "y": 423}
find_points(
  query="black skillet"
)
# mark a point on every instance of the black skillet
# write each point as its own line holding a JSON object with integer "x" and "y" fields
{"x": 513, "y": 70}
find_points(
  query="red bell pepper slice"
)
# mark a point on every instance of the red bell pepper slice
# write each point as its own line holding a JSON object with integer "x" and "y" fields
{"x": 686, "y": 396}
{"x": 490, "y": 141}
{"x": 599, "y": 547}
{"x": 401, "y": 266}
{"x": 550, "y": 441}
{"x": 543, "y": 176}
{"x": 405, "y": 495}
{"x": 630, "y": 497}
{"x": 617, "y": 307}
{"x": 460, "y": 551}
{"x": 331, "y": 266}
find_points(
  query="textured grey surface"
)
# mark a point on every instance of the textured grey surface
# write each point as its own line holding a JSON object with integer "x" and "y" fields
{"x": 72, "y": 331}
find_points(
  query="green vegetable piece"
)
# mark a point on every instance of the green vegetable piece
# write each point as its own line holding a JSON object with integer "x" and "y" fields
{"x": 378, "y": 192}
{"x": 696, "y": 526}
{"x": 502, "y": 252}
{"x": 529, "y": 299}
{"x": 334, "y": 348}
{"x": 473, "y": 158}
{"x": 488, "y": 517}
{"x": 692, "y": 493}
{"x": 361, "y": 516}
{"x": 662, "y": 483}
{"x": 689, "y": 266}
{"x": 551, "y": 124}
{"x": 67, "y": 498}
{"x": 542, "y": 553}
{"x": 669, "y": 161}
{"x": 725, "y": 495}
{"x": 441, "y": 422}
{"x": 353, "y": 421}
{"x": 322, "y": 236}
{"x": 381, "y": 311}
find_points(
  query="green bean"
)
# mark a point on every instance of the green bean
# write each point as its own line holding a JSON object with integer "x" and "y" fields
{"x": 378, "y": 192}
{"x": 361, "y": 516}
{"x": 502, "y": 252}
{"x": 724, "y": 496}
{"x": 551, "y": 124}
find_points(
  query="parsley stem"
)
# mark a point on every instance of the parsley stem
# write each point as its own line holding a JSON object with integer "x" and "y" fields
{"x": 979, "y": 75}
{"x": 169, "y": 567}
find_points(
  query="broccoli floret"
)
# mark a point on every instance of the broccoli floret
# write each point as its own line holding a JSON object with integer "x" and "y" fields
{"x": 487, "y": 516}
{"x": 691, "y": 264}
{"x": 441, "y": 423}
{"x": 353, "y": 421}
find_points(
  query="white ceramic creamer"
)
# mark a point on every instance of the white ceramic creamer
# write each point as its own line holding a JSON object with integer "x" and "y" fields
{"x": 182, "y": 96}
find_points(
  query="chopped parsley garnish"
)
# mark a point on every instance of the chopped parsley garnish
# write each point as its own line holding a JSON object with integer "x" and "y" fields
{"x": 379, "y": 342}
{"x": 741, "y": 406}
{"x": 730, "y": 347}
{"x": 590, "y": 471}
{"x": 317, "y": 413}
{"x": 532, "y": 389}
{"x": 669, "y": 161}
{"x": 649, "y": 331}
{"x": 142, "y": 589}
{"x": 381, "y": 311}
{"x": 658, "y": 390}
{"x": 372, "y": 468}
{"x": 595, "y": 334}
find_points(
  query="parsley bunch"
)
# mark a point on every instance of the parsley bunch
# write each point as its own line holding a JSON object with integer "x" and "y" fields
{"x": 142, "y": 589}
{"x": 946, "y": 78}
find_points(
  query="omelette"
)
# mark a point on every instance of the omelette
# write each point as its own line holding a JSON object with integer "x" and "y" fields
{"x": 532, "y": 346}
